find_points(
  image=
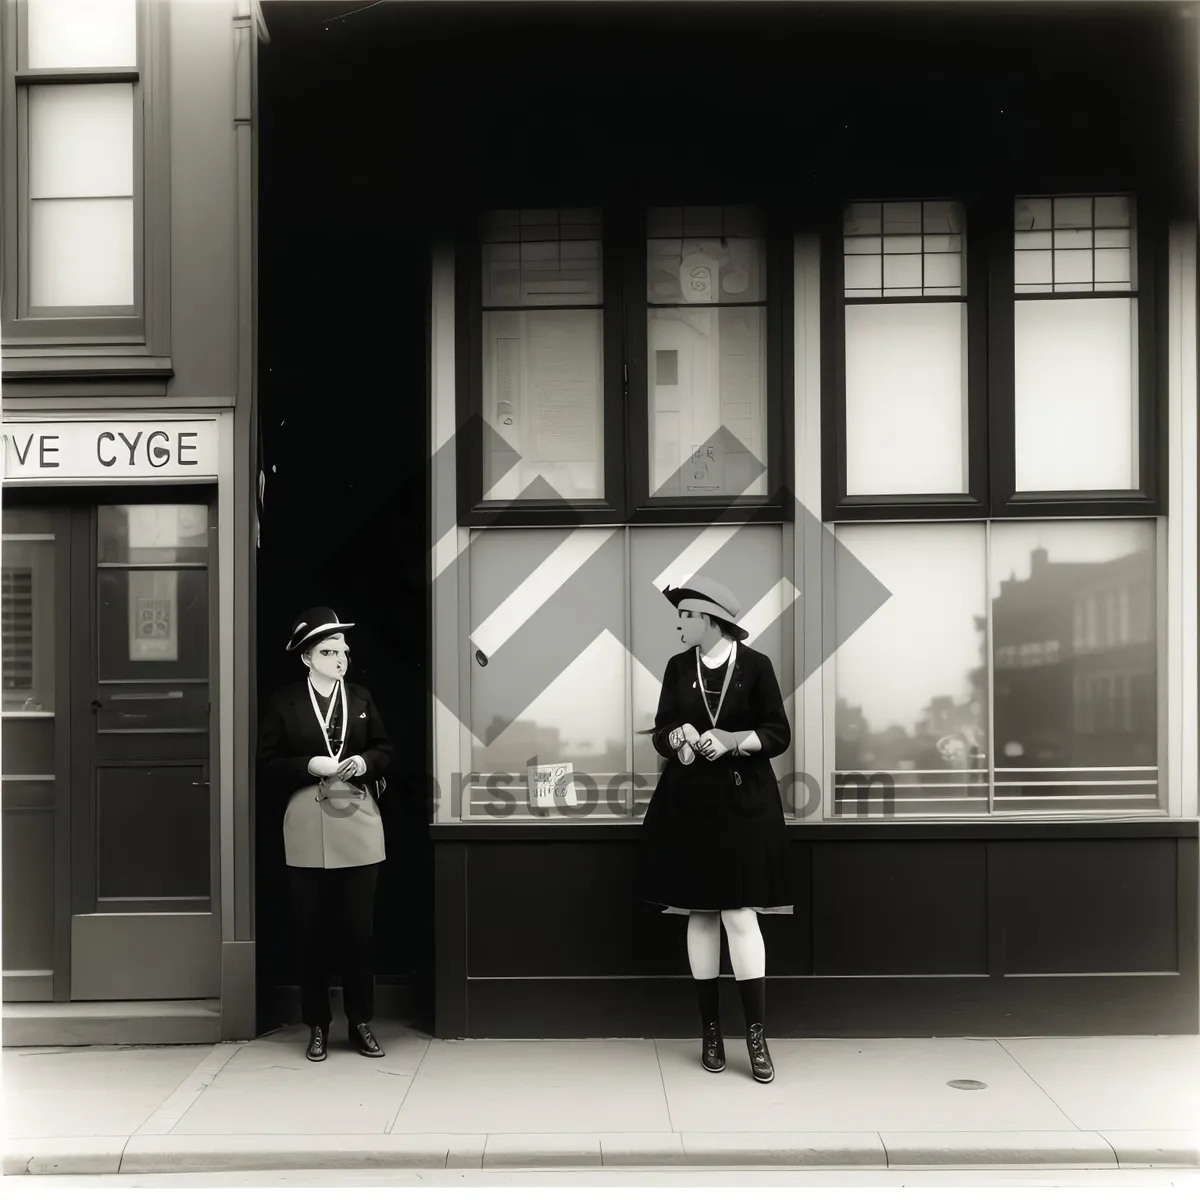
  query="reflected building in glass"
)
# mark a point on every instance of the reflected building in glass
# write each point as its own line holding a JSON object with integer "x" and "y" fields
{"x": 1075, "y": 666}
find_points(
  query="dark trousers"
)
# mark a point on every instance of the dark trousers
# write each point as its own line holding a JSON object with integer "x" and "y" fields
{"x": 334, "y": 910}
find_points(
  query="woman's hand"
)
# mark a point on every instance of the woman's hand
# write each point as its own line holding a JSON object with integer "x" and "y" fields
{"x": 715, "y": 743}
{"x": 351, "y": 767}
{"x": 322, "y": 766}
{"x": 684, "y": 735}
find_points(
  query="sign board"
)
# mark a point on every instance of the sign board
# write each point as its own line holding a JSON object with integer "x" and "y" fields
{"x": 154, "y": 448}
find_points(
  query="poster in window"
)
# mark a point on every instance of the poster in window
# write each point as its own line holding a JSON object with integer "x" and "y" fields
{"x": 153, "y": 616}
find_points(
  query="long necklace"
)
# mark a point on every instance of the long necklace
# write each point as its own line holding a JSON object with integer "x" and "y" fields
{"x": 338, "y": 693}
{"x": 724, "y": 685}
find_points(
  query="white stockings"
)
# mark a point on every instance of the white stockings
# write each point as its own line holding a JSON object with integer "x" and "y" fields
{"x": 747, "y": 953}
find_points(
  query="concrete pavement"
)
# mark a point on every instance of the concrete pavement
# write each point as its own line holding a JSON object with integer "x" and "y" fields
{"x": 1061, "y": 1103}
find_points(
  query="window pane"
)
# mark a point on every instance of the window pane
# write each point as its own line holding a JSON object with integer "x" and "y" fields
{"x": 919, "y": 253}
{"x": 554, "y": 686}
{"x": 152, "y": 533}
{"x": 705, "y": 256}
{"x": 81, "y": 33}
{"x": 906, "y": 399}
{"x": 543, "y": 393}
{"x": 1076, "y": 394}
{"x": 28, "y": 608}
{"x": 80, "y": 253}
{"x": 542, "y": 258}
{"x": 80, "y": 140}
{"x": 911, "y": 684}
{"x": 1066, "y": 244}
{"x": 714, "y": 379}
{"x": 1075, "y": 682}
{"x": 152, "y": 624}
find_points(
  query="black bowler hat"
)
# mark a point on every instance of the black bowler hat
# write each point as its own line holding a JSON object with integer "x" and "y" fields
{"x": 313, "y": 625}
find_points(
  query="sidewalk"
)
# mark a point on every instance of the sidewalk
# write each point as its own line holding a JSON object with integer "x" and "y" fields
{"x": 1048, "y": 1103}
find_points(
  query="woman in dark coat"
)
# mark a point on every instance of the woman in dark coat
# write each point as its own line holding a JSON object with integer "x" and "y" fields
{"x": 713, "y": 839}
{"x": 322, "y": 752}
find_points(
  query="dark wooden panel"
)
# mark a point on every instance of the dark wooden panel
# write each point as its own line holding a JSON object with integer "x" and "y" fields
{"x": 914, "y": 908}
{"x": 152, "y": 837}
{"x": 450, "y": 932}
{"x": 1088, "y": 906}
{"x": 544, "y": 908}
{"x": 822, "y": 1007}
{"x": 28, "y": 745}
{"x": 27, "y": 838}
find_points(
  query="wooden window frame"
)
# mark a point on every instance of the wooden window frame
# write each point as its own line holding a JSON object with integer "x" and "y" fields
{"x": 838, "y": 504}
{"x": 126, "y": 341}
{"x": 626, "y": 468}
{"x": 991, "y": 438}
{"x": 1149, "y": 498}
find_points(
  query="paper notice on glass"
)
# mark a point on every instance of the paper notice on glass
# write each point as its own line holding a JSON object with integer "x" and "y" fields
{"x": 153, "y": 616}
{"x": 705, "y": 470}
{"x": 552, "y": 786}
{"x": 563, "y": 383}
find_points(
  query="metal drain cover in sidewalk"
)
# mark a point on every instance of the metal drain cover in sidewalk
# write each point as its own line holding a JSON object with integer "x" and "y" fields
{"x": 966, "y": 1085}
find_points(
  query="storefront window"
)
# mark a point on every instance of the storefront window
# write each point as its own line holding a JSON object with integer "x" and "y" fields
{"x": 1076, "y": 344}
{"x": 707, "y": 352}
{"x": 543, "y": 378}
{"x": 549, "y": 684}
{"x": 987, "y": 683}
{"x": 906, "y": 349}
{"x": 911, "y": 698}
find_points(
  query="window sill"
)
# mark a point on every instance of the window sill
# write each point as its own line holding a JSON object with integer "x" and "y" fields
{"x": 22, "y": 364}
{"x": 846, "y": 830}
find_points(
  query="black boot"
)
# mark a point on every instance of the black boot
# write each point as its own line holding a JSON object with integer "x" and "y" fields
{"x": 712, "y": 1053}
{"x": 363, "y": 1040}
{"x": 317, "y": 1041}
{"x": 754, "y": 1004}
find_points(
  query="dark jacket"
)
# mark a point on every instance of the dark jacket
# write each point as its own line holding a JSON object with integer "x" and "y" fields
{"x": 745, "y": 783}
{"x": 290, "y": 735}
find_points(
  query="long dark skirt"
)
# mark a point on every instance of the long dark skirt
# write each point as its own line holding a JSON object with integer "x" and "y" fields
{"x": 713, "y": 852}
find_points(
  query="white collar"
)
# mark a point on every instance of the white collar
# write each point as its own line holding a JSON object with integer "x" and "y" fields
{"x": 724, "y": 643}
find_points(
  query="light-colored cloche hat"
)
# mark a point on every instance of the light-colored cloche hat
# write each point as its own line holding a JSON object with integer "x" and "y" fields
{"x": 703, "y": 595}
{"x": 311, "y": 626}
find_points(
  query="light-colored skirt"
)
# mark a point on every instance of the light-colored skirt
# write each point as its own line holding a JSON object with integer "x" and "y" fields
{"x": 332, "y": 824}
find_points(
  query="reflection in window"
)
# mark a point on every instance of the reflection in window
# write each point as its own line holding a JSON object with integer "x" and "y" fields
{"x": 906, "y": 362}
{"x": 1073, "y": 698}
{"x": 1076, "y": 363}
{"x": 911, "y": 684}
{"x": 1078, "y": 732}
{"x": 706, "y": 297}
{"x": 542, "y": 351}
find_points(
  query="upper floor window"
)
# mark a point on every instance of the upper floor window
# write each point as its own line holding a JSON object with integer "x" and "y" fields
{"x": 963, "y": 381}
{"x": 585, "y": 332}
{"x": 86, "y": 204}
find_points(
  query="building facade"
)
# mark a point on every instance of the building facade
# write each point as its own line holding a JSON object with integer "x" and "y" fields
{"x": 486, "y": 321}
{"x": 128, "y": 391}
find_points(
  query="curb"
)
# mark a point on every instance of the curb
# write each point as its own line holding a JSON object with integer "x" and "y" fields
{"x": 144, "y": 1154}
